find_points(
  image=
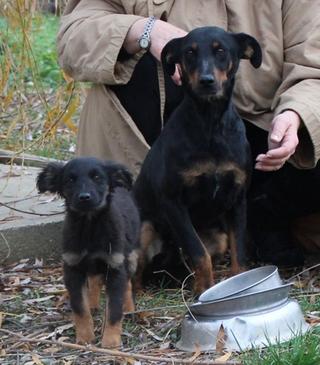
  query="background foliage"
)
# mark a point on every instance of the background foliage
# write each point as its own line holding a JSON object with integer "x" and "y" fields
{"x": 38, "y": 103}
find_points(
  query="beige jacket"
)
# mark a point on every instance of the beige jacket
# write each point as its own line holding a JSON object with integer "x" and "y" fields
{"x": 92, "y": 32}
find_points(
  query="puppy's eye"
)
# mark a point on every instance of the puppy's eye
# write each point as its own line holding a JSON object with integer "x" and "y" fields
{"x": 96, "y": 177}
{"x": 71, "y": 179}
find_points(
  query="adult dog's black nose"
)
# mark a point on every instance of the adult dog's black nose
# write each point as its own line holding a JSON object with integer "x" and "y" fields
{"x": 84, "y": 197}
{"x": 206, "y": 80}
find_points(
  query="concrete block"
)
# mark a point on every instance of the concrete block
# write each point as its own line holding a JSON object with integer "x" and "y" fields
{"x": 30, "y": 223}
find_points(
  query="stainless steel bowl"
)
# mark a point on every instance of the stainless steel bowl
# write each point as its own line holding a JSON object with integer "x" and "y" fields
{"x": 242, "y": 304}
{"x": 243, "y": 332}
{"x": 262, "y": 278}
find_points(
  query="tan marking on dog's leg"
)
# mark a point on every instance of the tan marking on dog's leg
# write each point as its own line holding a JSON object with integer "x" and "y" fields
{"x": 95, "y": 284}
{"x": 215, "y": 241}
{"x": 235, "y": 266}
{"x": 83, "y": 322}
{"x": 112, "y": 335}
{"x": 128, "y": 303}
{"x": 147, "y": 235}
{"x": 203, "y": 274}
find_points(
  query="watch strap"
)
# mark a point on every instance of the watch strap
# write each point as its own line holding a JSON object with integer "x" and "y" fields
{"x": 147, "y": 28}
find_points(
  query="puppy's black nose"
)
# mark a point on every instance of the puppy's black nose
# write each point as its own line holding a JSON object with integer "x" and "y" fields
{"x": 206, "y": 80}
{"x": 84, "y": 197}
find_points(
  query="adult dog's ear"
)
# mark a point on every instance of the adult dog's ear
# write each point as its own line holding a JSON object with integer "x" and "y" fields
{"x": 249, "y": 49}
{"x": 119, "y": 175}
{"x": 170, "y": 55}
{"x": 50, "y": 178}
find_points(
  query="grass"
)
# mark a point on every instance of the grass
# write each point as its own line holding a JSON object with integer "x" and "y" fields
{"x": 301, "y": 350}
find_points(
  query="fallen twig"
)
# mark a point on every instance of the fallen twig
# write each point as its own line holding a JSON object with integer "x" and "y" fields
{"x": 32, "y": 213}
{"x": 119, "y": 354}
{"x": 303, "y": 271}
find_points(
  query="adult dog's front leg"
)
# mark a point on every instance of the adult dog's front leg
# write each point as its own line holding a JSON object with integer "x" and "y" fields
{"x": 76, "y": 283}
{"x": 237, "y": 222}
{"x": 178, "y": 218}
{"x": 117, "y": 282}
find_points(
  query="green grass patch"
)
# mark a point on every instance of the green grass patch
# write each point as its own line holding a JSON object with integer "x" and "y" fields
{"x": 301, "y": 350}
{"x": 310, "y": 303}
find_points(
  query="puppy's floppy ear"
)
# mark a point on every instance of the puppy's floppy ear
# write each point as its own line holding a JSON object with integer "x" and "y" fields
{"x": 119, "y": 175}
{"x": 50, "y": 177}
{"x": 170, "y": 55}
{"x": 249, "y": 48}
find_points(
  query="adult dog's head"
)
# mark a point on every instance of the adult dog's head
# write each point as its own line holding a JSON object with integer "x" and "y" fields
{"x": 84, "y": 182}
{"x": 208, "y": 59}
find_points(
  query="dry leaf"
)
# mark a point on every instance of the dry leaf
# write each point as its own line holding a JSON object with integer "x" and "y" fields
{"x": 51, "y": 350}
{"x": 224, "y": 358}
{"x": 1, "y": 318}
{"x": 38, "y": 300}
{"x": 36, "y": 359}
{"x": 196, "y": 354}
{"x": 158, "y": 338}
{"x": 221, "y": 340}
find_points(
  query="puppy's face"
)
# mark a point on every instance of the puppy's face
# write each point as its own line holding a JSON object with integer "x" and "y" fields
{"x": 85, "y": 185}
{"x": 208, "y": 59}
{"x": 84, "y": 182}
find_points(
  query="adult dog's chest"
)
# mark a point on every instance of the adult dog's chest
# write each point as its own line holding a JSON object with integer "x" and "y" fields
{"x": 208, "y": 180}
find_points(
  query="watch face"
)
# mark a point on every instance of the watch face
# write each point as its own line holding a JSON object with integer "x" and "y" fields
{"x": 144, "y": 43}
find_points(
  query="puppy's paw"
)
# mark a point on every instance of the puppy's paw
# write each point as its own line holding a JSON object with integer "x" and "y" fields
{"x": 112, "y": 335}
{"x": 84, "y": 328}
{"x": 85, "y": 337}
{"x": 111, "y": 341}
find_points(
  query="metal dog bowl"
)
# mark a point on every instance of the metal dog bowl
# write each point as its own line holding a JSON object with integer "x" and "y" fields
{"x": 262, "y": 278}
{"x": 243, "y": 304}
{"x": 252, "y": 308}
{"x": 243, "y": 332}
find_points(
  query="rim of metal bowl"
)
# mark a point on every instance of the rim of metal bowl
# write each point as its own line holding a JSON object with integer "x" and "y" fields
{"x": 216, "y": 287}
{"x": 204, "y": 305}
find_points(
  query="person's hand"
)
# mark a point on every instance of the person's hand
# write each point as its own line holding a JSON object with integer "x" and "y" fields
{"x": 282, "y": 141}
{"x": 161, "y": 33}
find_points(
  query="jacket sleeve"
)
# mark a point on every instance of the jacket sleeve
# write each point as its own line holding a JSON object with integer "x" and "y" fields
{"x": 300, "y": 87}
{"x": 90, "y": 39}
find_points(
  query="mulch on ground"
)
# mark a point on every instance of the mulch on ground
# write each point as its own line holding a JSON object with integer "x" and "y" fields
{"x": 36, "y": 327}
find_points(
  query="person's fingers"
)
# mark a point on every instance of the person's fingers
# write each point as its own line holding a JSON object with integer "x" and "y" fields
{"x": 286, "y": 149}
{"x": 262, "y": 167}
{"x": 265, "y": 160}
{"x": 278, "y": 130}
{"x": 266, "y": 164}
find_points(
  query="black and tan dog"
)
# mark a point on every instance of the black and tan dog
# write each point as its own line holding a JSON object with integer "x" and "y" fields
{"x": 194, "y": 179}
{"x": 100, "y": 240}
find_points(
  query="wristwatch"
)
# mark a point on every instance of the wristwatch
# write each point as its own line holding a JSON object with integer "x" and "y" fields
{"x": 145, "y": 40}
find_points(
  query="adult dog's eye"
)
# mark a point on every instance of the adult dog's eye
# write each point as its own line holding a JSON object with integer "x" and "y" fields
{"x": 190, "y": 52}
{"x": 220, "y": 51}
